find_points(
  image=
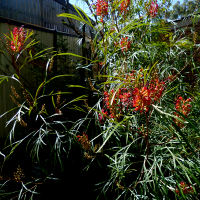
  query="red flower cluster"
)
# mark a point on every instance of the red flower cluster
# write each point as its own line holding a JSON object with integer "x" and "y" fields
{"x": 156, "y": 89}
{"x": 187, "y": 189}
{"x": 124, "y": 96}
{"x": 124, "y": 5}
{"x": 110, "y": 104}
{"x": 182, "y": 106}
{"x": 17, "y": 42}
{"x": 153, "y": 8}
{"x": 102, "y": 8}
{"x": 84, "y": 141}
{"x": 102, "y": 116}
{"x": 125, "y": 44}
{"x": 141, "y": 100}
{"x": 135, "y": 97}
{"x": 147, "y": 95}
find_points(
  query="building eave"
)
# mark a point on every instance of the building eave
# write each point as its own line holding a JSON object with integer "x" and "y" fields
{"x": 190, "y": 20}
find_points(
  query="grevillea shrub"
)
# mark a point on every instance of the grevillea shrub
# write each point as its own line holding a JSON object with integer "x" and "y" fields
{"x": 39, "y": 136}
{"x": 146, "y": 117}
{"x": 140, "y": 139}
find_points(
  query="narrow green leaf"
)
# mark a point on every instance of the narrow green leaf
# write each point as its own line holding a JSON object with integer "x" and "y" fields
{"x": 72, "y": 54}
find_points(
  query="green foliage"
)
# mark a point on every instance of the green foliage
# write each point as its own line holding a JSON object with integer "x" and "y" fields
{"x": 40, "y": 121}
{"x": 143, "y": 129}
{"x": 147, "y": 141}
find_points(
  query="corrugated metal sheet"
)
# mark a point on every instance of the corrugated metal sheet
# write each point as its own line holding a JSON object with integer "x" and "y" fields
{"x": 38, "y": 12}
{"x": 186, "y": 21}
{"x": 62, "y": 2}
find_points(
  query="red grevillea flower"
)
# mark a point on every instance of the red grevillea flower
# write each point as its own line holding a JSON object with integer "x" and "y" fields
{"x": 102, "y": 8}
{"x": 17, "y": 42}
{"x": 125, "y": 44}
{"x": 184, "y": 107}
{"x": 135, "y": 96}
{"x": 153, "y": 8}
{"x": 124, "y": 6}
{"x": 187, "y": 189}
{"x": 84, "y": 141}
{"x": 106, "y": 99}
{"x": 141, "y": 99}
{"x": 125, "y": 97}
{"x": 156, "y": 89}
{"x": 145, "y": 96}
{"x": 102, "y": 116}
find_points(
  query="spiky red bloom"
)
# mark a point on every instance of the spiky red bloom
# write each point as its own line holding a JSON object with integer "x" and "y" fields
{"x": 102, "y": 116}
{"x": 153, "y": 8}
{"x": 102, "y": 8}
{"x": 18, "y": 38}
{"x": 187, "y": 189}
{"x": 184, "y": 107}
{"x": 156, "y": 89}
{"x": 84, "y": 141}
{"x": 141, "y": 99}
{"x": 135, "y": 96}
{"x": 144, "y": 97}
{"x": 124, "y": 6}
{"x": 125, "y": 44}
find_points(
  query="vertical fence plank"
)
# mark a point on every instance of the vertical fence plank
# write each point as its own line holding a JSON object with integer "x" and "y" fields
{"x": 51, "y": 16}
{"x": 1, "y": 8}
{"x": 9, "y": 14}
{"x": 37, "y": 13}
{"x": 31, "y": 11}
{"x": 20, "y": 12}
{"x": 41, "y": 12}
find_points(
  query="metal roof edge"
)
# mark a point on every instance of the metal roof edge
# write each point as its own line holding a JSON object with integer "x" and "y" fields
{"x": 186, "y": 21}
{"x": 62, "y": 2}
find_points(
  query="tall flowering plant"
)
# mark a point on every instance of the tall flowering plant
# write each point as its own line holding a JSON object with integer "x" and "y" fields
{"x": 146, "y": 138}
{"x": 37, "y": 127}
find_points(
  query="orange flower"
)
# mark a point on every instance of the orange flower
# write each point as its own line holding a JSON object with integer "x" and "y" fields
{"x": 141, "y": 99}
{"x": 182, "y": 106}
{"x": 187, "y": 189}
{"x": 102, "y": 8}
{"x": 84, "y": 141}
{"x": 124, "y": 5}
{"x": 137, "y": 95}
{"x": 125, "y": 44}
{"x": 156, "y": 89}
